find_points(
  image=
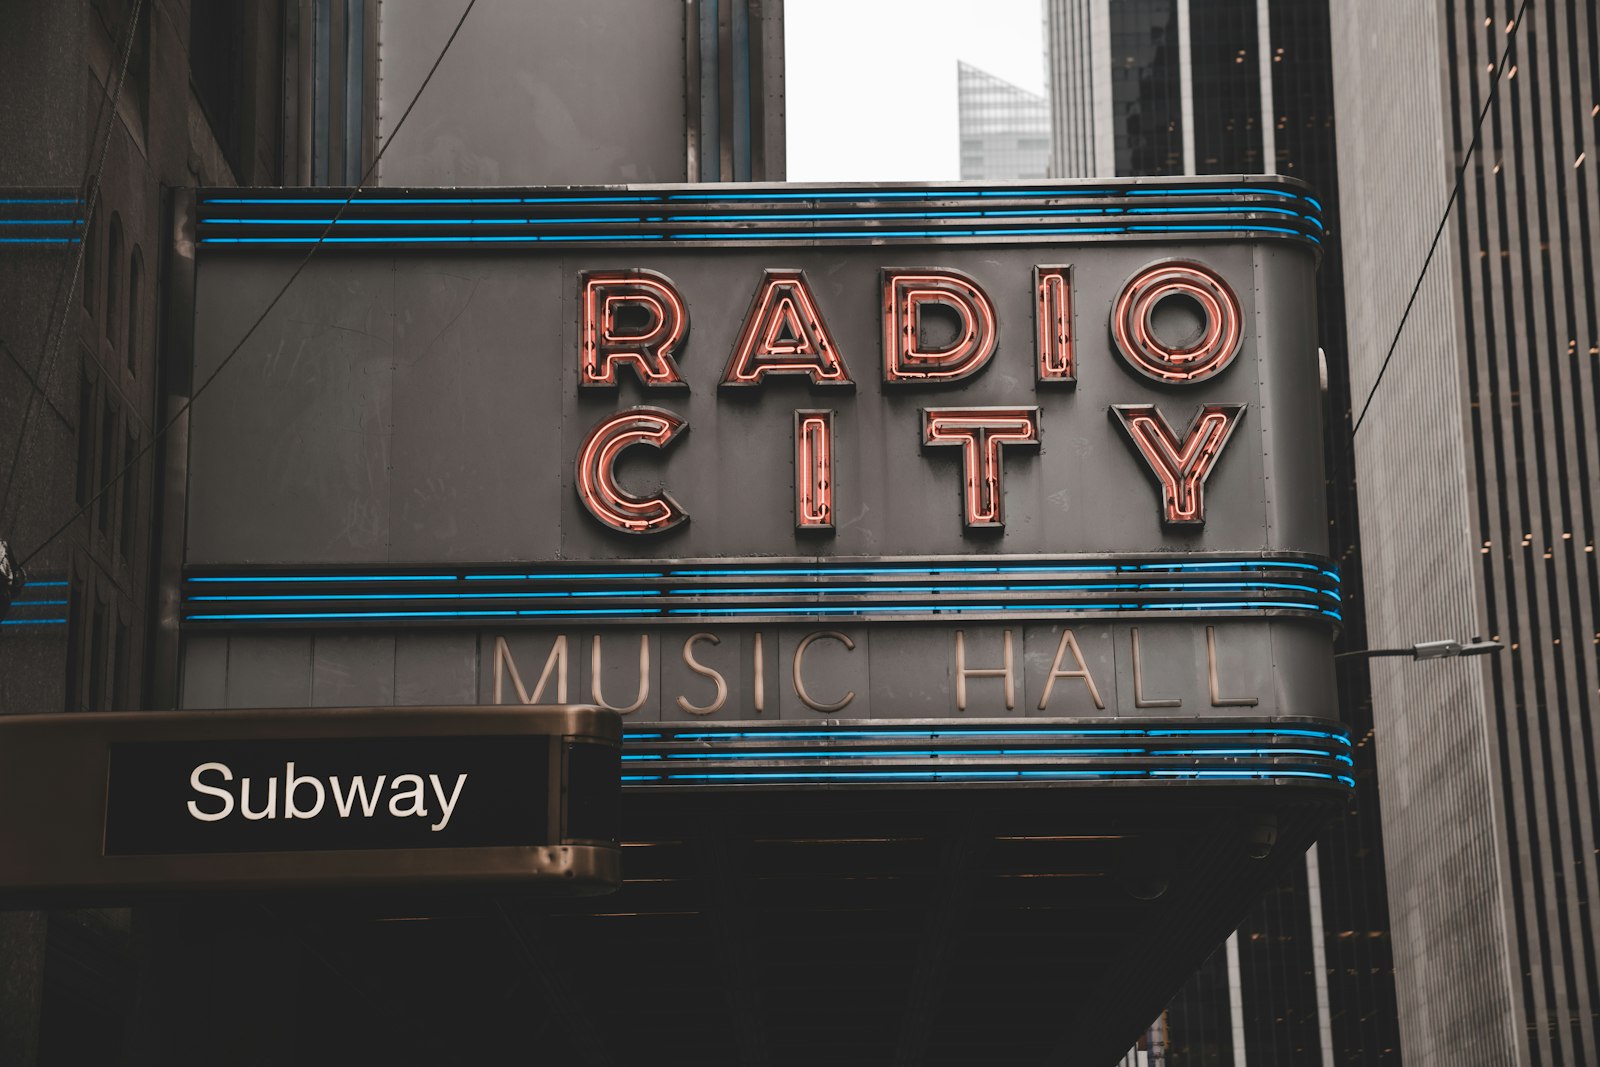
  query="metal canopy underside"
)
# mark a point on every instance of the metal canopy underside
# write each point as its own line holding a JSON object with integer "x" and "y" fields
{"x": 846, "y": 926}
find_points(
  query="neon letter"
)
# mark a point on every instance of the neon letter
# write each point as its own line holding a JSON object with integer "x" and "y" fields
{"x": 1179, "y": 467}
{"x": 905, "y": 294}
{"x": 1206, "y": 356}
{"x": 596, "y": 471}
{"x": 813, "y": 470}
{"x": 605, "y": 343}
{"x": 783, "y": 333}
{"x": 981, "y": 432}
{"x": 1052, "y": 314}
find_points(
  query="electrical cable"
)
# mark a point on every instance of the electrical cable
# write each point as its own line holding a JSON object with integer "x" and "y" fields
{"x": 41, "y": 379}
{"x": 1455, "y": 192}
{"x": 183, "y": 409}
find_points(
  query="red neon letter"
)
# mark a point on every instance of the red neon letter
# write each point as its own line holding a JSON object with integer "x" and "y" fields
{"x": 1052, "y": 313}
{"x": 981, "y": 432}
{"x": 1219, "y": 339}
{"x": 597, "y": 478}
{"x": 905, "y": 294}
{"x": 813, "y": 470}
{"x": 784, "y": 333}
{"x": 1180, "y": 467}
{"x": 647, "y": 347}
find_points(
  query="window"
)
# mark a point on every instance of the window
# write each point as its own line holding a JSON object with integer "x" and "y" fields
{"x": 113, "y": 277}
{"x": 130, "y": 498}
{"x": 89, "y": 261}
{"x": 135, "y": 309}
{"x": 85, "y": 432}
{"x": 108, "y": 459}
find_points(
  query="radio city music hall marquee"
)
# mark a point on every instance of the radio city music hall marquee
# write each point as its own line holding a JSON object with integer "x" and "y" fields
{"x": 698, "y": 459}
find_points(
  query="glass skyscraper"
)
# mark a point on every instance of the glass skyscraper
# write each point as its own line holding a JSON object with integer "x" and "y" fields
{"x": 1191, "y": 87}
{"x": 1005, "y": 130}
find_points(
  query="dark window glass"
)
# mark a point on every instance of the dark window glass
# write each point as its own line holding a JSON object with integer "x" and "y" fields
{"x": 135, "y": 308}
{"x": 114, "y": 254}
{"x": 85, "y": 433}
{"x": 108, "y": 459}
{"x": 96, "y": 697}
{"x": 75, "y": 626}
{"x": 90, "y": 263}
{"x": 120, "y": 668}
{"x": 1147, "y": 115}
{"x": 130, "y": 499}
{"x": 216, "y": 33}
{"x": 1227, "y": 88}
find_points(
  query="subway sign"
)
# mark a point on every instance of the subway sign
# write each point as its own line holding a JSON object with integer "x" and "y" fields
{"x": 749, "y": 453}
{"x": 324, "y": 798}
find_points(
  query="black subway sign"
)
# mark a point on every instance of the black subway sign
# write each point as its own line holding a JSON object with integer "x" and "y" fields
{"x": 308, "y": 798}
{"x": 255, "y": 796}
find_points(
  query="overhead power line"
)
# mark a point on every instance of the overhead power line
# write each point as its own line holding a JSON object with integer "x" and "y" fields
{"x": 184, "y": 408}
{"x": 1455, "y": 192}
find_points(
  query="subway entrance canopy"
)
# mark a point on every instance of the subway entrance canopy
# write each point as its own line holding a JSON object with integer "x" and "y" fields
{"x": 955, "y": 555}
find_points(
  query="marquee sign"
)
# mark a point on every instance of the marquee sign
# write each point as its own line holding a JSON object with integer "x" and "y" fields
{"x": 744, "y": 452}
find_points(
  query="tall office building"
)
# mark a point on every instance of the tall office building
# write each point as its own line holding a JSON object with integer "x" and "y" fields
{"x": 1005, "y": 130}
{"x": 1479, "y": 466}
{"x": 1156, "y": 87}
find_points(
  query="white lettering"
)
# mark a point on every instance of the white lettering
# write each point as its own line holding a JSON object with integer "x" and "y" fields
{"x": 414, "y": 792}
{"x": 292, "y": 783}
{"x": 211, "y": 790}
{"x": 268, "y": 812}
{"x": 446, "y": 806}
{"x": 358, "y": 786}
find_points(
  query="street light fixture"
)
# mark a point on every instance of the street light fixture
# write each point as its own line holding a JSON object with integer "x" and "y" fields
{"x": 1431, "y": 650}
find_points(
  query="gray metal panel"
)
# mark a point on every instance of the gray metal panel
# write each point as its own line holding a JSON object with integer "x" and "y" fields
{"x": 289, "y": 456}
{"x": 270, "y": 671}
{"x": 534, "y": 93}
{"x": 349, "y": 670}
{"x": 205, "y": 671}
{"x": 436, "y": 668}
{"x": 476, "y": 401}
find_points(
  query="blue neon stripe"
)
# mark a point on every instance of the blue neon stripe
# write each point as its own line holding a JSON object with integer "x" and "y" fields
{"x": 436, "y": 200}
{"x": 36, "y": 603}
{"x": 557, "y": 576}
{"x": 940, "y": 732}
{"x": 39, "y": 240}
{"x": 434, "y": 596}
{"x": 32, "y": 622}
{"x": 931, "y": 775}
{"x": 43, "y": 200}
{"x": 332, "y": 578}
{"x": 41, "y": 222}
{"x": 423, "y": 222}
{"x": 46, "y": 585}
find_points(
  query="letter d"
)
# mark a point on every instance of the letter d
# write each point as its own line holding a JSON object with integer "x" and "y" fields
{"x": 290, "y": 784}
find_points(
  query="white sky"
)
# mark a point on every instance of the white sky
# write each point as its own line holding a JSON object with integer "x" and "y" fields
{"x": 871, "y": 84}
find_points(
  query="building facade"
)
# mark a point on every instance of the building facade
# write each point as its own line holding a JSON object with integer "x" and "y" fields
{"x": 1005, "y": 130}
{"x": 1154, "y": 87}
{"x": 1486, "y": 526}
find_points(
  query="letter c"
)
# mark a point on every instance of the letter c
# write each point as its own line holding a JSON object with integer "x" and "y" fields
{"x": 211, "y": 790}
{"x": 596, "y": 471}
{"x": 799, "y": 683}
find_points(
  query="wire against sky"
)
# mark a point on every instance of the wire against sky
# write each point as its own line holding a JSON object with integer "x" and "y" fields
{"x": 183, "y": 409}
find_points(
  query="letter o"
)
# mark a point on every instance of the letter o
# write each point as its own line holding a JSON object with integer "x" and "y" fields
{"x": 1135, "y": 339}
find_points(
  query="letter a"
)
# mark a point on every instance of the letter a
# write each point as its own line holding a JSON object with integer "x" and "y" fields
{"x": 784, "y": 333}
